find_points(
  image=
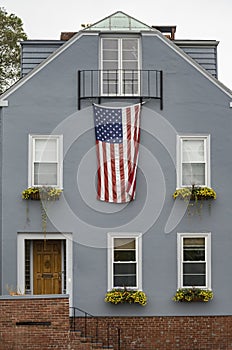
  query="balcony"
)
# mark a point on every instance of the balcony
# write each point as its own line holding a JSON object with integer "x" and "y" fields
{"x": 120, "y": 84}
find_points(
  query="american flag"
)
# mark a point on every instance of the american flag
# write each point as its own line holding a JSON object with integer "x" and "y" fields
{"x": 117, "y": 145}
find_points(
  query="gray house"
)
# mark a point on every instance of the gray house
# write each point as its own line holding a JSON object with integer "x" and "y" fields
{"x": 82, "y": 246}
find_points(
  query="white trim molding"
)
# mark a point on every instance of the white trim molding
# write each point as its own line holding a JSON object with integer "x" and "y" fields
{"x": 3, "y": 103}
{"x": 138, "y": 257}
{"x": 58, "y": 161}
{"x": 21, "y": 237}
{"x": 179, "y": 158}
{"x": 207, "y": 259}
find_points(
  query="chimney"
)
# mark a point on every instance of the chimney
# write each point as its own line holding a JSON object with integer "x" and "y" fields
{"x": 67, "y": 35}
{"x": 168, "y": 31}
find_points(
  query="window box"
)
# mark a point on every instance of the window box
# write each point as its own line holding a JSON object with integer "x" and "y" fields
{"x": 126, "y": 296}
{"x": 195, "y": 193}
{"x": 41, "y": 193}
{"x": 193, "y": 294}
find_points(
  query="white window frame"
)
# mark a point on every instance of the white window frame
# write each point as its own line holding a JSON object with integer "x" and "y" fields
{"x": 31, "y": 149}
{"x": 180, "y": 139}
{"x": 180, "y": 258}
{"x": 120, "y": 77}
{"x": 138, "y": 241}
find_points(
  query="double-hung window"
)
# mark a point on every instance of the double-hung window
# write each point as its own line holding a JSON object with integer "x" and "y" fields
{"x": 120, "y": 66}
{"x": 45, "y": 160}
{"x": 194, "y": 260}
{"x": 124, "y": 260}
{"x": 193, "y": 161}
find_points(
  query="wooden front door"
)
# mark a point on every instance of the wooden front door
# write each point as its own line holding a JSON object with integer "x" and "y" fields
{"x": 47, "y": 276}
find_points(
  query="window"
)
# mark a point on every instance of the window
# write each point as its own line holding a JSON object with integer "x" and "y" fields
{"x": 194, "y": 256}
{"x": 124, "y": 260}
{"x": 120, "y": 66}
{"x": 193, "y": 161}
{"x": 45, "y": 160}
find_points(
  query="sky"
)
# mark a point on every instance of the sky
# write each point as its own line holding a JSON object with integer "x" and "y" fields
{"x": 195, "y": 19}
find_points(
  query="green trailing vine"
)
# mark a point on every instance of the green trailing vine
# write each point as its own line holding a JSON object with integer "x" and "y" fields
{"x": 195, "y": 196}
{"x": 195, "y": 193}
{"x": 44, "y": 195}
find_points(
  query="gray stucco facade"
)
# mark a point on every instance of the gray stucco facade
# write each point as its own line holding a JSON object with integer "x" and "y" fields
{"x": 45, "y": 102}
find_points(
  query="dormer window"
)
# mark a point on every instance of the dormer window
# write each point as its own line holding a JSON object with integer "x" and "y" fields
{"x": 120, "y": 66}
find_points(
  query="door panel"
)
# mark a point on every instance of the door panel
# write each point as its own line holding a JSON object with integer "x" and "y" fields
{"x": 47, "y": 267}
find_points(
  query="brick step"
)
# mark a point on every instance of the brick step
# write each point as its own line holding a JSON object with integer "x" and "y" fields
{"x": 87, "y": 343}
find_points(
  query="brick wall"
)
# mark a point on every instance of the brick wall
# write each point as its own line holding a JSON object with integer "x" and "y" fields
{"x": 167, "y": 333}
{"x": 33, "y": 323}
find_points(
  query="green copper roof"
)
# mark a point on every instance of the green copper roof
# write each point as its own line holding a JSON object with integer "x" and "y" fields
{"x": 119, "y": 21}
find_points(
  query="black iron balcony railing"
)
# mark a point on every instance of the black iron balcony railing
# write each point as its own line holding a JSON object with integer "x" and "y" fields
{"x": 120, "y": 83}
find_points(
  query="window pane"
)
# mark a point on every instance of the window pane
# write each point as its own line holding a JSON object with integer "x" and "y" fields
{"x": 110, "y": 88}
{"x": 130, "y": 88}
{"x": 196, "y": 269}
{"x": 191, "y": 281}
{"x": 193, "y": 151}
{"x": 124, "y": 243}
{"x": 110, "y": 55}
{"x": 45, "y": 174}
{"x": 193, "y": 174}
{"x": 124, "y": 255}
{"x": 194, "y": 255}
{"x": 45, "y": 150}
{"x": 194, "y": 241}
{"x": 110, "y": 65}
{"x": 110, "y": 44}
{"x": 194, "y": 249}
{"x": 27, "y": 266}
{"x": 130, "y": 56}
{"x": 110, "y": 75}
{"x": 124, "y": 281}
{"x": 130, "y": 65}
{"x": 130, "y": 44}
{"x": 130, "y": 75}
{"x": 125, "y": 269}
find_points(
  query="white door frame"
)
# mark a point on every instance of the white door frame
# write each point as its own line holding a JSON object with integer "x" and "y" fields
{"x": 21, "y": 237}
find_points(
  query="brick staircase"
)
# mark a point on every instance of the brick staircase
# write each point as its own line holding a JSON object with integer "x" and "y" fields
{"x": 92, "y": 332}
{"x": 79, "y": 342}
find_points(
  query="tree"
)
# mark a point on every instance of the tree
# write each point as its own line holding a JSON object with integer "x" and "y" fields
{"x": 11, "y": 33}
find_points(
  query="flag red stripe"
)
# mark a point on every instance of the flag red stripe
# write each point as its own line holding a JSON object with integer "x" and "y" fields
{"x": 105, "y": 167}
{"x": 113, "y": 173}
{"x": 129, "y": 156}
{"x": 122, "y": 173}
{"x": 98, "y": 171}
{"x": 136, "y": 136}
